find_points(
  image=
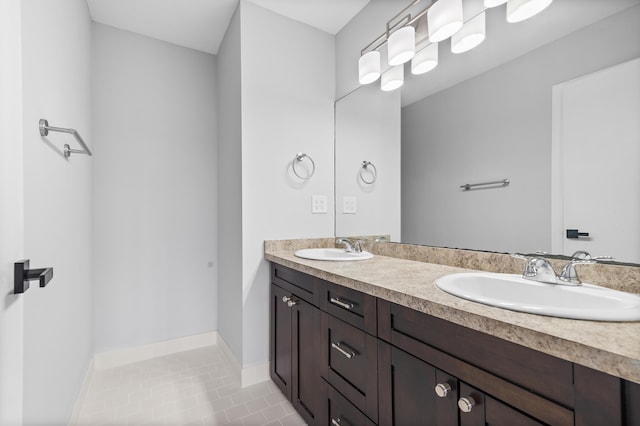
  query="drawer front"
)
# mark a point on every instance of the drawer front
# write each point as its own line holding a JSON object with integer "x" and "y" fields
{"x": 341, "y": 412}
{"x": 349, "y": 361}
{"x": 543, "y": 374}
{"x": 351, "y": 306}
{"x": 301, "y": 285}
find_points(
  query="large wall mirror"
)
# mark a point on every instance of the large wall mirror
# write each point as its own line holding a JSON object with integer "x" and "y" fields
{"x": 510, "y": 122}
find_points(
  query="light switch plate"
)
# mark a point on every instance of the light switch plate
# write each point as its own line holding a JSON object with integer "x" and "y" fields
{"x": 319, "y": 204}
{"x": 349, "y": 205}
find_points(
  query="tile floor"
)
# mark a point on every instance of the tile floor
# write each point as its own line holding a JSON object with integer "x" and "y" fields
{"x": 195, "y": 387}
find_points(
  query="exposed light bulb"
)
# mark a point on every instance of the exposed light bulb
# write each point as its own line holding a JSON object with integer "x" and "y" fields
{"x": 401, "y": 45}
{"x": 425, "y": 60}
{"x": 471, "y": 34}
{"x": 369, "y": 67}
{"x": 444, "y": 19}
{"x": 519, "y": 10}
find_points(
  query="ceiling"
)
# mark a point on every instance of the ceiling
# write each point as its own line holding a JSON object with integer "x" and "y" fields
{"x": 201, "y": 24}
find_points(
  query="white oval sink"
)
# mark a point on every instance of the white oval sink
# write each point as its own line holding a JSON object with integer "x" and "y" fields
{"x": 333, "y": 254}
{"x": 588, "y": 302}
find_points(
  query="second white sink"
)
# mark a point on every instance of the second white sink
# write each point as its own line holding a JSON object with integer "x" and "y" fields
{"x": 513, "y": 292}
{"x": 333, "y": 254}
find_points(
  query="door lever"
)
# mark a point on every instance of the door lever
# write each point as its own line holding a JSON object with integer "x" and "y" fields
{"x": 22, "y": 275}
{"x": 575, "y": 234}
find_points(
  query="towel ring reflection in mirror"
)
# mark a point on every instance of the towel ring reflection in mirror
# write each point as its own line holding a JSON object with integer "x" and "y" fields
{"x": 373, "y": 172}
{"x": 298, "y": 159}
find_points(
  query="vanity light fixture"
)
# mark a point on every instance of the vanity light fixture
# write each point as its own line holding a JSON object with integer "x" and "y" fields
{"x": 425, "y": 60}
{"x": 392, "y": 78}
{"x": 439, "y": 20}
{"x": 519, "y": 10}
{"x": 493, "y": 3}
{"x": 444, "y": 19}
{"x": 369, "y": 67}
{"x": 401, "y": 45}
{"x": 471, "y": 34}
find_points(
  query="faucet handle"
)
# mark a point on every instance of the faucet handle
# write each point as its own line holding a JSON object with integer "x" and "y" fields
{"x": 569, "y": 275}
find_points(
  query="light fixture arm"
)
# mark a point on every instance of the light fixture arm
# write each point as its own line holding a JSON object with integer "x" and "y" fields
{"x": 404, "y": 21}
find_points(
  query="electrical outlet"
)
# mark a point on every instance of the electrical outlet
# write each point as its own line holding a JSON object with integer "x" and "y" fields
{"x": 318, "y": 204}
{"x": 349, "y": 205}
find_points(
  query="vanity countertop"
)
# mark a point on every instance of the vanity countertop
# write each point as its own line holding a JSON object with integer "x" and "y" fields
{"x": 610, "y": 347}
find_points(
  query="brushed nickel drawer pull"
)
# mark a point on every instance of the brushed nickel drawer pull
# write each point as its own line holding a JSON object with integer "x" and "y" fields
{"x": 346, "y": 305}
{"x": 349, "y": 353}
{"x": 339, "y": 422}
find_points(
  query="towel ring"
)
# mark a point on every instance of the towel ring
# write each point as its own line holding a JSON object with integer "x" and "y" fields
{"x": 298, "y": 158}
{"x": 365, "y": 166}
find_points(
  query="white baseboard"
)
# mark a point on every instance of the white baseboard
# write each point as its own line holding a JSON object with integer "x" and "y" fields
{"x": 250, "y": 375}
{"x": 83, "y": 393}
{"x": 120, "y": 357}
{"x": 255, "y": 374}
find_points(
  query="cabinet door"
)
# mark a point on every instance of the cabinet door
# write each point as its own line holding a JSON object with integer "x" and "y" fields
{"x": 407, "y": 391}
{"x": 478, "y": 409}
{"x": 306, "y": 391}
{"x": 280, "y": 341}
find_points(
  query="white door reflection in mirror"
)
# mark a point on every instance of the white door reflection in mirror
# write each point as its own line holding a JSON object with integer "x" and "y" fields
{"x": 596, "y": 120}
{"x": 368, "y": 130}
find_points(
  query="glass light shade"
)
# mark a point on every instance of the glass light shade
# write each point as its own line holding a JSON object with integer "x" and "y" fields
{"x": 444, "y": 19}
{"x": 519, "y": 10}
{"x": 471, "y": 34}
{"x": 401, "y": 45}
{"x": 425, "y": 59}
{"x": 392, "y": 79}
{"x": 369, "y": 67}
{"x": 493, "y": 3}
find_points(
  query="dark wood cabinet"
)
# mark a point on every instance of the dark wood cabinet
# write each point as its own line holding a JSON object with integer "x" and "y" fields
{"x": 281, "y": 345}
{"x": 294, "y": 342}
{"x": 407, "y": 390}
{"x": 346, "y": 358}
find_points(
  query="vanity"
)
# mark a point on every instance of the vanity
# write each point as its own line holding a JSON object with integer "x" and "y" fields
{"x": 375, "y": 342}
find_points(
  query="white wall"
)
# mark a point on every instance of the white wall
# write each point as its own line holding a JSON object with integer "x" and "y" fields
{"x": 57, "y": 206}
{"x": 230, "y": 188}
{"x": 494, "y": 126}
{"x": 287, "y": 107}
{"x": 154, "y": 140}
{"x": 11, "y": 214}
{"x": 367, "y": 128}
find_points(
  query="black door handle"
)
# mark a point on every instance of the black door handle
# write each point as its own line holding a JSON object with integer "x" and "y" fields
{"x": 22, "y": 275}
{"x": 575, "y": 234}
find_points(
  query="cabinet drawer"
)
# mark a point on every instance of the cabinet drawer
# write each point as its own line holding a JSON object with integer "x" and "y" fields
{"x": 543, "y": 374}
{"x": 340, "y": 412}
{"x": 351, "y": 306}
{"x": 297, "y": 283}
{"x": 349, "y": 361}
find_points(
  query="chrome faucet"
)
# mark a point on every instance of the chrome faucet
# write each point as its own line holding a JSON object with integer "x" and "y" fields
{"x": 350, "y": 247}
{"x": 539, "y": 268}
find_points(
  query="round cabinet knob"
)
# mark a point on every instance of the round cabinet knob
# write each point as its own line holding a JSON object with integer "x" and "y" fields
{"x": 292, "y": 303}
{"x": 443, "y": 389}
{"x": 466, "y": 404}
{"x": 286, "y": 299}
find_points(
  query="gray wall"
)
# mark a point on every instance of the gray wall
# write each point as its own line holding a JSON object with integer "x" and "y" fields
{"x": 287, "y": 107}
{"x": 56, "y": 52}
{"x": 11, "y": 213}
{"x": 368, "y": 129}
{"x": 230, "y": 189}
{"x": 494, "y": 126}
{"x": 155, "y": 201}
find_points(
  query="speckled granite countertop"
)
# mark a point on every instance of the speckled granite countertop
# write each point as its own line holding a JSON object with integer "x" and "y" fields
{"x": 610, "y": 347}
